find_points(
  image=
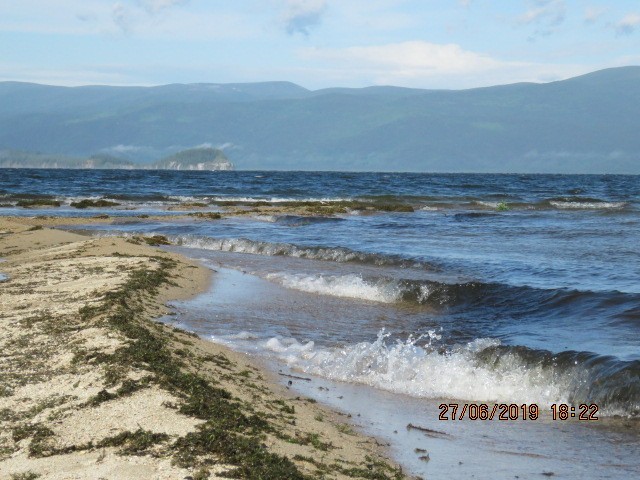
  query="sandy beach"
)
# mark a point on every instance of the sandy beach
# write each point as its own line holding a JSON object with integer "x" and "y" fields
{"x": 92, "y": 387}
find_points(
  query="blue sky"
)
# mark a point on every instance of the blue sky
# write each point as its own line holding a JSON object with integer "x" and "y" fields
{"x": 315, "y": 43}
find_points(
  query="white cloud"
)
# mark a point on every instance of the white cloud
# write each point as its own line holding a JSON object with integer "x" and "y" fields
{"x": 125, "y": 17}
{"x": 427, "y": 65}
{"x": 154, "y": 19}
{"x": 547, "y": 15}
{"x": 70, "y": 76}
{"x": 628, "y": 24}
{"x": 408, "y": 57}
{"x": 121, "y": 17}
{"x": 302, "y": 15}
{"x": 156, "y": 6}
{"x": 592, "y": 14}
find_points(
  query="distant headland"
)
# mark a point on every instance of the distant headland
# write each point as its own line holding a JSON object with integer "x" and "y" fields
{"x": 199, "y": 158}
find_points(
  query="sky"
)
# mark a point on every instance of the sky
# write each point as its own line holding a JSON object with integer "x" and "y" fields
{"x": 314, "y": 43}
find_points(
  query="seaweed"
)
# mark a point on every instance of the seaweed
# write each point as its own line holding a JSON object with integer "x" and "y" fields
{"x": 206, "y": 215}
{"x": 230, "y": 433}
{"x": 94, "y": 203}
{"x": 25, "y": 476}
{"x": 156, "y": 240}
{"x": 39, "y": 202}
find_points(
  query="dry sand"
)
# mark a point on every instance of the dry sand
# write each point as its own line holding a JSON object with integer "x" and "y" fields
{"x": 92, "y": 387}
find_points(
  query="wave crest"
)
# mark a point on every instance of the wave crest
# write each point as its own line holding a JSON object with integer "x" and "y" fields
{"x": 333, "y": 254}
{"x": 482, "y": 371}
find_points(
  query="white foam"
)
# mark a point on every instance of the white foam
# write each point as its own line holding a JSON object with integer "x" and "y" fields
{"x": 424, "y": 293}
{"x": 349, "y": 286}
{"x": 282, "y": 199}
{"x": 241, "y": 245}
{"x": 265, "y": 218}
{"x": 587, "y": 205}
{"x": 244, "y": 335}
{"x": 421, "y": 371}
{"x": 187, "y": 198}
{"x": 482, "y": 203}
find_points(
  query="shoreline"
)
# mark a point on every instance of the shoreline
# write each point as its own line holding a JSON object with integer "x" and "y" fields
{"x": 465, "y": 449}
{"x": 418, "y": 439}
{"x": 93, "y": 385}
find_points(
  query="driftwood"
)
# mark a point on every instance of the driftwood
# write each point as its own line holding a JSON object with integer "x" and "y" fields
{"x": 428, "y": 431}
{"x": 294, "y": 376}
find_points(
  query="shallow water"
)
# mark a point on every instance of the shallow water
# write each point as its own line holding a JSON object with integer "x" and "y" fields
{"x": 237, "y": 302}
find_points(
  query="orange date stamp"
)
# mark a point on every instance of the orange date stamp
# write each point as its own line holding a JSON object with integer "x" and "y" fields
{"x": 513, "y": 411}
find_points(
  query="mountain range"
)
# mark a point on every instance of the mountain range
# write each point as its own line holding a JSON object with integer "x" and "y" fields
{"x": 586, "y": 124}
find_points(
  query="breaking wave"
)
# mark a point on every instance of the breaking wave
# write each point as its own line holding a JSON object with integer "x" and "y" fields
{"x": 333, "y": 254}
{"x": 516, "y": 300}
{"x": 350, "y": 286}
{"x": 482, "y": 370}
{"x": 568, "y": 205}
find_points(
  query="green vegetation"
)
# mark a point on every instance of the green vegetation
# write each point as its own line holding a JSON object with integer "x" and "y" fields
{"x": 156, "y": 240}
{"x": 134, "y": 443}
{"x": 503, "y": 207}
{"x": 373, "y": 469}
{"x": 320, "y": 207}
{"x": 201, "y": 474}
{"x": 39, "y": 434}
{"x": 206, "y": 215}
{"x": 94, "y": 203}
{"x": 231, "y": 431}
{"x": 128, "y": 387}
{"x": 38, "y": 202}
{"x": 25, "y": 476}
{"x": 346, "y": 429}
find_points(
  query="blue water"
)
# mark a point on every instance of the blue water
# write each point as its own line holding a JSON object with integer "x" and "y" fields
{"x": 534, "y": 274}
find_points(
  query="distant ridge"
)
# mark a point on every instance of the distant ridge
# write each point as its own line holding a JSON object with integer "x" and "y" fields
{"x": 199, "y": 158}
{"x": 586, "y": 124}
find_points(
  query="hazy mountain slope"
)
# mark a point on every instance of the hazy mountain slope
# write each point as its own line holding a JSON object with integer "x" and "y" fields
{"x": 584, "y": 124}
{"x": 202, "y": 158}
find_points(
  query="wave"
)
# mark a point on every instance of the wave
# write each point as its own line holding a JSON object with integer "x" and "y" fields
{"x": 381, "y": 203}
{"x": 142, "y": 198}
{"x": 561, "y": 203}
{"x": 524, "y": 300}
{"x": 482, "y": 370}
{"x": 297, "y": 220}
{"x": 517, "y": 300}
{"x": 279, "y": 199}
{"x": 349, "y": 286}
{"x": 445, "y": 203}
{"x": 383, "y": 289}
{"x": 333, "y": 254}
{"x": 564, "y": 205}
